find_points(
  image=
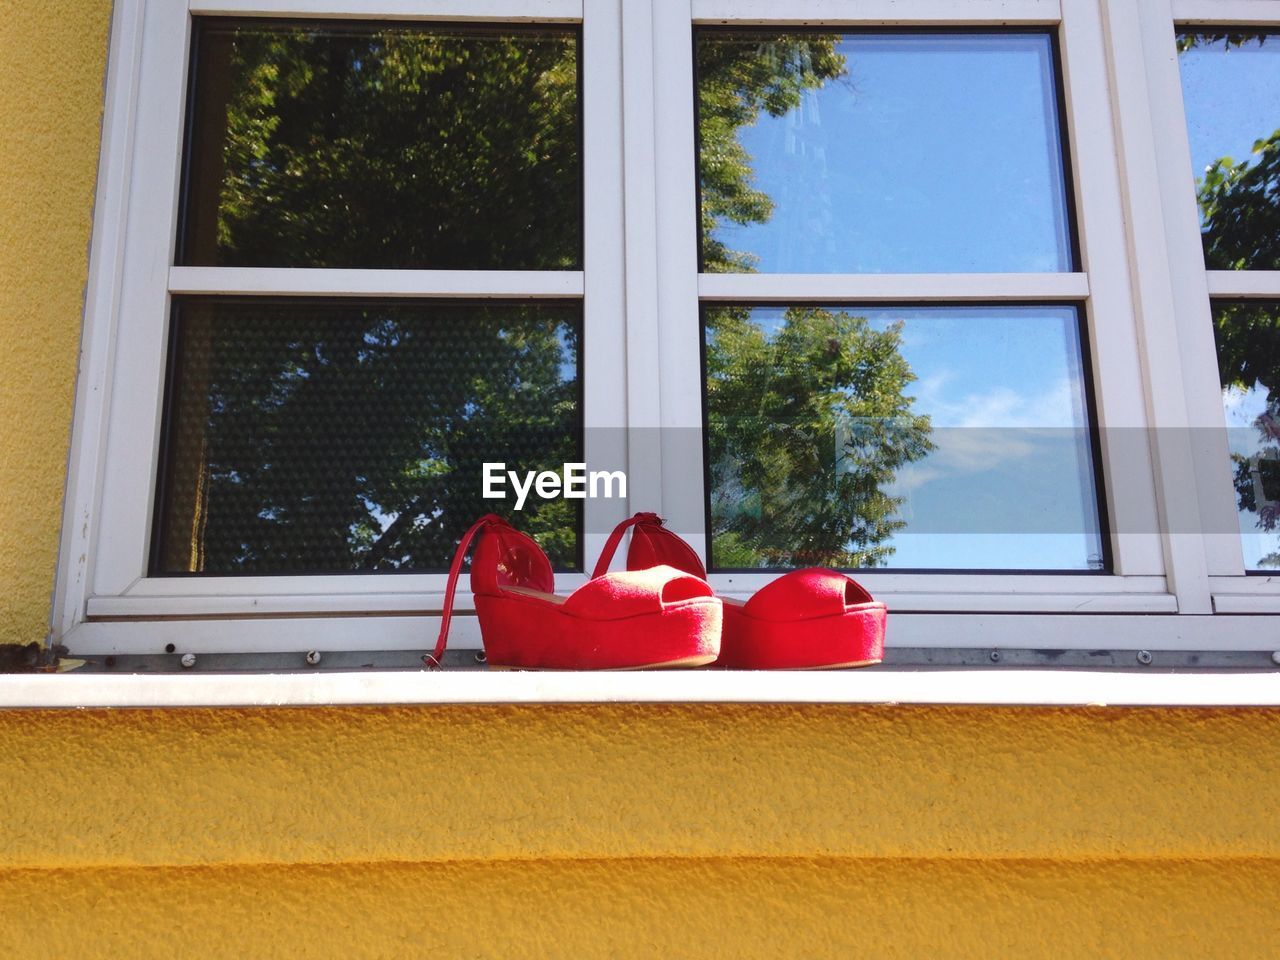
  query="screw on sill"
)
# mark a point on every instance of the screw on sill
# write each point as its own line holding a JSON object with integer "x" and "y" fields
{"x": 480, "y": 657}
{"x": 313, "y": 657}
{"x": 995, "y": 656}
{"x": 1144, "y": 657}
{"x": 188, "y": 661}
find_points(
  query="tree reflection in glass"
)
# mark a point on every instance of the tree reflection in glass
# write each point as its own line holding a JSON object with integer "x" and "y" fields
{"x": 1231, "y": 88}
{"x": 907, "y": 437}
{"x": 807, "y": 421}
{"x": 881, "y": 152}
{"x": 337, "y": 436}
{"x": 397, "y": 146}
{"x": 325, "y": 437}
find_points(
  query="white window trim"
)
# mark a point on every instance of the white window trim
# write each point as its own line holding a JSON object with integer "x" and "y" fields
{"x": 641, "y": 289}
{"x": 1114, "y": 348}
{"x": 1191, "y": 285}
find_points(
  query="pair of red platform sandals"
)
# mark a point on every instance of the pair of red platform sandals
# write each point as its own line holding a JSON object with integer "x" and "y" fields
{"x": 659, "y": 612}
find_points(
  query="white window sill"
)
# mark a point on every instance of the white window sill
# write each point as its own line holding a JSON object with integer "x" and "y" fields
{"x": 970, "y": 686}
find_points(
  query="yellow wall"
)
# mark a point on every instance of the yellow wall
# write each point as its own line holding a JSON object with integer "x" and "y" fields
{"x": 52, "y": 57}
{"x": 603, "y": 831}
{"x": 641, "y": 830}
{"x": 735, "y": 909}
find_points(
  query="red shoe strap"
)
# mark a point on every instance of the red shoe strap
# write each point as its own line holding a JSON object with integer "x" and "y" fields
{"x": 432, "y": 660}
{"x": 615, "y": 538}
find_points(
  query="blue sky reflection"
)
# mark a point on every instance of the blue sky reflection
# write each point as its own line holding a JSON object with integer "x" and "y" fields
{"x": 935, "y": 153}
{"x": 1010, "y": 483}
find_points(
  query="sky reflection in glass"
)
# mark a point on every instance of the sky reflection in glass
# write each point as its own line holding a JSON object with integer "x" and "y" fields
{"x": 1010, "y": 481}
{"x": 1252, "y": 411}
{"x": 932, "y": 153}
{"x": 1231, "y": 92}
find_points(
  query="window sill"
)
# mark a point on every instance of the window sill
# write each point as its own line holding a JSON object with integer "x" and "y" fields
{"x": 997, "y": 687}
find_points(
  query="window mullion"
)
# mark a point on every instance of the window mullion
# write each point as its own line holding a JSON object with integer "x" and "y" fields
{"x": 604, "y": 273}
{"x": 1191, "y": 310}
{"x": 680, "y": 331}
{"x": 1225, "y": 11}
{"x": 888, "y": 287}
{"x": 1118, "y": 395}
{"x": 1244, "y": 283}
{"x": 499, "y": 11}
{"x": 641, "y": 237}
{"x": 308, "y": 281}
{"x": 1167, "y": 333}
{"x": 888, "y": 12}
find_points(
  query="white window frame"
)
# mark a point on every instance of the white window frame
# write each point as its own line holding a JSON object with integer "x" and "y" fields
{"x": 1193, "y": 287}
{"x": 641, "y": 292}
{"x": 1150, "y": 574}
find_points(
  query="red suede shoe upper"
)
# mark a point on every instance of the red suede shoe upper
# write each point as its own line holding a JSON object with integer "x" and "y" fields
{"x": 633, "y": 593}
{"x": 539, "y": 631}
{"x": 652, "y": 545}
{"x": 505, "y": 557}
{"x": 805, "y": 595}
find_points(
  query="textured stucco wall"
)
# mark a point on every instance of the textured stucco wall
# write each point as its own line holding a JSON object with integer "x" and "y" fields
{"x": 52, "y": 57}
{"x": 190, "y": 787}
{"x": 640, "y": 831}
{"x": 558, "y": 831}
{"x": 735, "y": 909}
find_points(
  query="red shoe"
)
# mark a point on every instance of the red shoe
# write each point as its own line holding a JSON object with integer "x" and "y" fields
{"x": 658, "y": 617}
{"x": 811, "y": 619}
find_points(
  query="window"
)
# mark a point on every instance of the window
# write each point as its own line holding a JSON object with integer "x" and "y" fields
{"x": 1231, "y": 86}
{"x": 884, "y": 152}
{"x": 881, "y": 152}
{"x": 1213, "y": 68}
{"x": 323, "y": 436}
{"x": 906, "y": 291}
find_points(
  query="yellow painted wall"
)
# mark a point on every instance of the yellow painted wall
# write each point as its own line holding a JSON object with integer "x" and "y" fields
{"x": 558, "y": 831}
{"x": 52, "y": 57}
{"x": 640, "y": 831}
{"x": 734, "y": 909}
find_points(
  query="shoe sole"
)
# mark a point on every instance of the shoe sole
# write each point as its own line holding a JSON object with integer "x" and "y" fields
{"x": 851, "y": 639}
{"x": 523, "y": 633}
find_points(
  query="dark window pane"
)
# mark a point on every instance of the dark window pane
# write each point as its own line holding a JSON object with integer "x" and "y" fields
{"x": 881, "y": 152}
{"x": 321, "y": 437}
{"x": 1231, "y": 87}
{"x": 920, "y": 438}
{"x": 383, "y": 146}
{"x": 1248, "y": 334}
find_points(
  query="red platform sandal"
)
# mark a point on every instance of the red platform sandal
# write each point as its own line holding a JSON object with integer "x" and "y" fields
{"x": 659, "y": 617}
{"x": 812, "y": 619}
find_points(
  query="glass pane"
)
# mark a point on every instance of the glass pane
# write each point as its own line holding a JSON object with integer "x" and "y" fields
{"x": 325, "y": 437}
{"x": 921, "y": 438}
{"x": 323, "y": 145}
{"x": 880, "y": 153}
{"x": 1248, "y": 335}
{"x": 1231, "y": 87}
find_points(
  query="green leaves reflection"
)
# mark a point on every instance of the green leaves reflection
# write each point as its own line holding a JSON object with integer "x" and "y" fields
{"x": 392, "y": 147}
{"x": 740, "y": 76}
{"x": 309, "y": 437}
{"x": 1239, "y": 202}
{"x": 807, "y": 423}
